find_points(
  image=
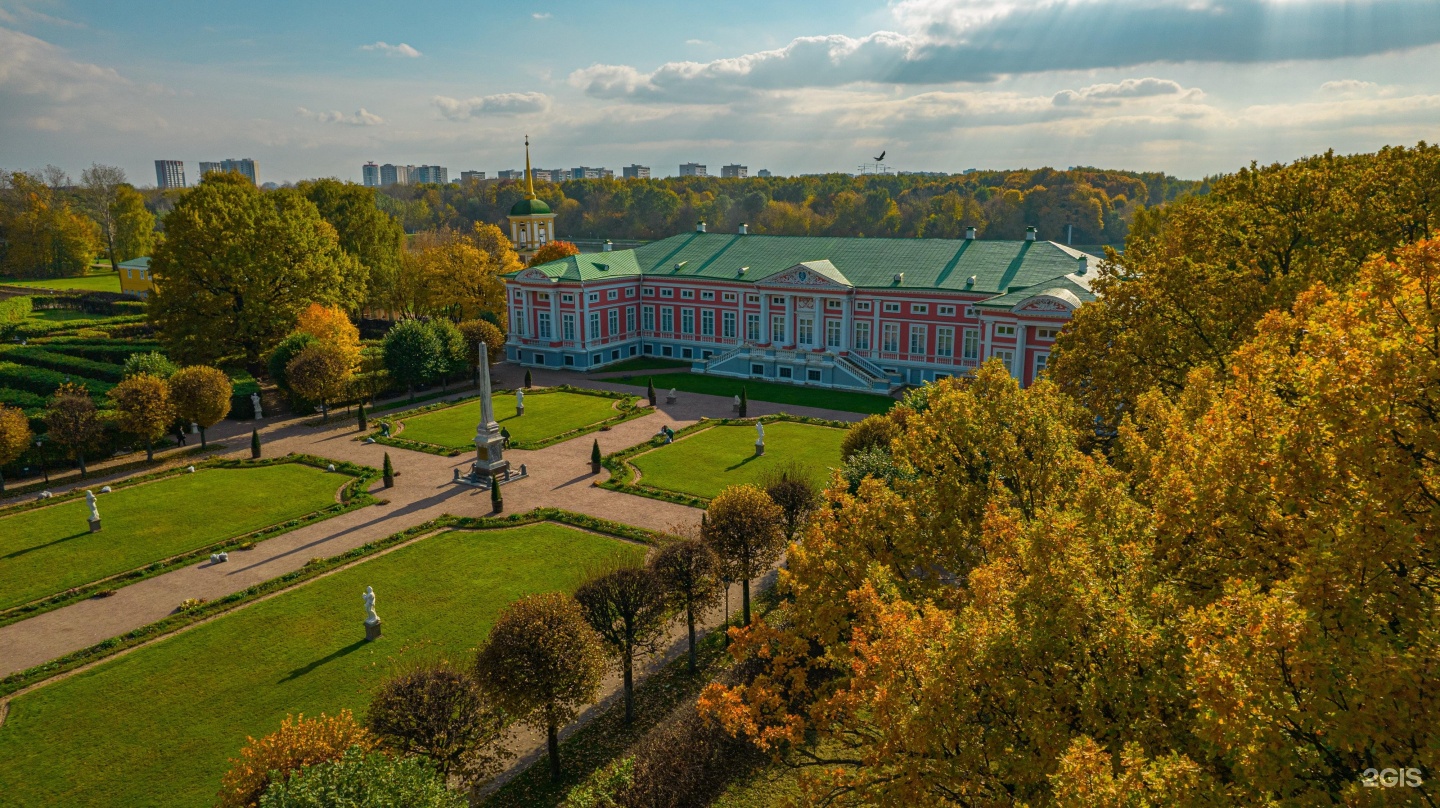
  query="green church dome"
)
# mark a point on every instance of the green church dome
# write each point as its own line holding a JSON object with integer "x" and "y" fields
{"x": 529, "y": 207}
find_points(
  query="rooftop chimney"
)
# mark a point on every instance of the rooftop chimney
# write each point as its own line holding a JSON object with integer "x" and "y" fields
{"x": 899, "y": 277}
{"x": 1029, "y": 234}
{"x": 700, "y": 226}
{"x": 969, "y": 234}
{"x": 1080, "y": 270}
{"x": 744, "y": 228}
{"x": 970, "y": 281}
{"x": 607, "y": 246}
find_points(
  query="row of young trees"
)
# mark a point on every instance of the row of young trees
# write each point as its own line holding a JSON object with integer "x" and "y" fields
{"x": 153, "y": 399}
{"x": 1225, "y": 595}
{"x": 540, "y": 665}
{"x": 50, "y": 227}
{"x": 1093, "y": 204}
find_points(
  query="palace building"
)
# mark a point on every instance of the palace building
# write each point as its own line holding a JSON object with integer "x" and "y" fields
{"x": 852, "y": 313}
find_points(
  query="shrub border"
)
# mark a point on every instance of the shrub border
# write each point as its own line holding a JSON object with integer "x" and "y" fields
{"x": 622, "y": 471}
{"x": 353, "y": 494}
{"x": 627, "y": 411}
{"x": 31, "y": 677}
{"x": 70, "y": 476}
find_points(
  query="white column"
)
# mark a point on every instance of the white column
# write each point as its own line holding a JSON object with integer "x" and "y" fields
{"x": 846, "y": 322}
{"x": 984, "y": 336}
{"x": 764, "y": 319}
{"x": 555, "y": 332}
{"x": 582, "y": 313}
{"x": 1020, "y": 330}
{"x": 791, "y": 335}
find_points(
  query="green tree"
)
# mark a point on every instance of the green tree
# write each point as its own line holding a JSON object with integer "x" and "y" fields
{"x": 373, "y": 237}
{"x": 475, "y": 332}
{"x": 134, "y": 225}
{"x": 361, "y": 780}
{"x": 142, "y": 404}
{"x": 319, "y": 373}
{"x": 278, "y": 362}
{"x": 100, "y": 191}
{"x": 455, "y": 350}
{"x": 791, "y": 488}
{"x": 388, "y": 472}
{"x": 201, "y": 394}
{"x": 543, "y": 663}
{"x": 413, "y": 354}
{"x": 151, "y": 362}
{"x": 238, "y": 266}
{"x": 627, "y": 606}
{"x": 14, "y": 437}
{"x": 72, "y": 421}
{"x": 441, "y": 713}
{"x": 43, "y": 237}
{"x": 745, "y": 528}
{"x": 689, "y": 570}
{"x": 275, "y": 758}
{"x": 255, "y": 444}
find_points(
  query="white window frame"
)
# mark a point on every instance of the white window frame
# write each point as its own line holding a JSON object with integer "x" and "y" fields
{"x": 567, "y": 298}
{"x": 594, "y": 326}
{"x": 567, "y": 327}
{"x": 752, "y": 327}
{"x": 647, "y": 318}
{"x": 630, "y": 319}
{"x": 945, "y": 311}
{"x": 1049, "y": 334}
{"x": 752, "y": 298}
{"x": 729, "y": 297}
{"x": 891, "y": 308}
{"x": 667, "y": 292}
{"x": 706, "y": 294}
{"x": 667, "y": 320}
{"x": 862, "y": 305}
{"x": 862, "y": 336}
{"x": 805, "y": 330}
{"x": 832, "y": 333}
{"x": 542, "y": 325}
{"x": 612, "y": 294}
{"x": 1004, "y": 330}
{"x": 647, "y": 292}
{"x": 945, "y": 341}
{"x": 687, "y": 294}
{"x": 687, "y": 321}
{"x": 919, "y": 308}
{"x": 727, "y": 325}
{"x": 593, "y": 297}
{"x": 1042, "y": 361}
{"x": 777, "y": 328}
{"x": 919, "y": 336}
{"x": 890, "y": 338}
{"x": 970, "y": 344}
{"x": 614, "y": 322}
{"x": 707, "y": 322}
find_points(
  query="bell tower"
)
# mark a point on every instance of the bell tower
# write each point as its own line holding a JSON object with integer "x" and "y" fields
{"x": 532, "y": 224}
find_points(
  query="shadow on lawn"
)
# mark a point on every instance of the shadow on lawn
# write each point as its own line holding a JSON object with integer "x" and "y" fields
{"x": 24, "y": 550}
{"x": 334, "y": 655}
{"x": 749, "y": 459}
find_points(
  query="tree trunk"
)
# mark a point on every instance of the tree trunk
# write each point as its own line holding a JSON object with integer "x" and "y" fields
{"x": 690, "y": 624}
{"x": 553, "y": 742}
{"x": 629, "y": 688}
{"x": 82, "y": 463}
{"x": 2, "y": 482}
{"x": 324, "y": 411}
{"x": 745, "y": 599}
{"x": 202, "y": 437}
{"x": 149, "y": 452}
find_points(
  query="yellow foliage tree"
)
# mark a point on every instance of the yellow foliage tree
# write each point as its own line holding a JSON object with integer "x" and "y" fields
{"x": 332, "y": 326}
{"x": 14, "y": 437}
{"x": 298, "y": 742}
{"x": 320, "y": 373}
{"x": 143, "y": 405}
{"x": 201, "y": 394}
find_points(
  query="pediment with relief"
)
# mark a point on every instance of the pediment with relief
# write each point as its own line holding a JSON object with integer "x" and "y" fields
{"x": 1057, "y": 301}
{"x": 810, "y": 275}
{"x": 532, "y": 275}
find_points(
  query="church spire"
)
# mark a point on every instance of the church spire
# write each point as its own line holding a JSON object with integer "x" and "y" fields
{"x": 529, "y": 175}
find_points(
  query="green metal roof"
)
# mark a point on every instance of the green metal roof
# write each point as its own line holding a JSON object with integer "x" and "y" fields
{"x": 998, "y": 267}
{"x": 529, "y": 207}
{"x": 135, "y": 263}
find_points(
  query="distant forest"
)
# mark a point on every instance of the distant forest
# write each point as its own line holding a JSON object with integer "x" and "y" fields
{"x": 1098, "y": 204}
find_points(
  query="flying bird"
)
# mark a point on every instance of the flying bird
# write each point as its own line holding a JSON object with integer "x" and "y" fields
{"x": 881, "y": 157}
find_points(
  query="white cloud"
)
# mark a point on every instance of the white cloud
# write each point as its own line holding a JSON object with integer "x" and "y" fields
{"x": 401, "y": 50}
{"x": 31, "y": 66}
{"x": 696, "y": 42}
{"x": 1112, "y": 94}
{"x": 542, "y": 15}
{"x": 500, "y": 104}
{"x": 362, "y": 117}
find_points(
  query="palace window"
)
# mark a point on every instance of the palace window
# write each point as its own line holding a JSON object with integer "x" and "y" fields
{"x": 807, "y": 331}
{"x": 647, "y": 318}
{"x": 917, "y": 340}
{"x": 567, "y": 327}
{"x": 594, "y": 326}
{"x": 543, "y": 325}
{"x": 752, "y": 298}
{"x": 729, "y": 297}
{"x": 667, "y": 292}
{"x": 777, "y": 300}
{"x": 707, "y": 322}
{"x": 892, "y": 308}
{"x": 687, "y": 321}
{"x": 688, "y": 294}
{"x": 1047, "y": 333}
{"x": 832, "y": 333}
{"x": 919, "y": 308}
{"x": 890, "y": 338}
{"x": 752, "y": 327}
{"x": 647, "y": 292}
{"x": 630, "y": 291}
{"x": 1004, "y": 330}
{"x": 1041, "y": 361}
{"x": 1004, "y": 355}
{"x": 945, "y": 341}
{"x": 862, "y": 305}
{"x": 567, "y": 298}
{"x": 614, "y": 319}
{"x": 862, "y": 336}
{"x": 777, "y": 328}
{"x": 946, "y": 311}
{"x": 593, "y": 297}
{"x": 970, "y": 312}
{"x": 832, "y": 303}
{"x": 727, "y": 325}
{"x": 667, "y": 320}
{"x": 707, "y": 295}
{"x": 630, "y": 320}
{"x": 612, "y": 294}
{"x": 971, "y": 346}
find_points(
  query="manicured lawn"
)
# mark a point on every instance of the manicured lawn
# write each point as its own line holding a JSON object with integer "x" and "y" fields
{"x": 707, "y": 461}
{"x": 775, "y": 392}
{"x": 107, "y": 282}
{"x": 644, "y": 363}
{"x": 49, "y": 550}
{"x": 546, "y": 415}
{"x": 156, "y": 727}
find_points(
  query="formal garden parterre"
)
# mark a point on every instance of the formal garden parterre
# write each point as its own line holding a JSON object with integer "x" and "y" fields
{"x": 303, "y": 650}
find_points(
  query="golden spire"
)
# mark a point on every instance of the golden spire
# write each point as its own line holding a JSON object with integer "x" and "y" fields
{"x": 529, "y": 175}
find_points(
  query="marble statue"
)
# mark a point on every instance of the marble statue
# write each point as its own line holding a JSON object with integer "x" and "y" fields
{"x": 737, "y": 402}
{"x": 255, "y": 402}
{"x": 520, "y": 399}
{"x": 759, "y": 432}
{"x": 90, "y": 500}
{"x": 371, "y": 618}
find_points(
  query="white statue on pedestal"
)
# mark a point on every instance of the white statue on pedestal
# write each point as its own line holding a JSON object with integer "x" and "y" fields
{"x": 520, "y": 400}
{"x": 759, "y": 433}
{"x": 371, "y": 618}
{"x": 255, "y": 402}
{"x": 90, "y": 500}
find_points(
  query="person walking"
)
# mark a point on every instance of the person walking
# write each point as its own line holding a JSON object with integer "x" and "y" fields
{"x": 180, "y": 433}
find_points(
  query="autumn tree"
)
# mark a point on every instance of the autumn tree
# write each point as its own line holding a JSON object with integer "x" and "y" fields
{"x": 553, "y": 251}
{"x": 543, "y": 663}
{"x": 442, "y": 713}
{"x": 100, "y": 191}
{"x": 359, "y": 778}
{"x": 745, "y": 528}
{"x": 201, "y": 395}
{"x": 374, "y": 238}
{"x": 143, "y": 406}
{"x": 72, "y": 421}
{"x": 134, "y": 225}
{"x": 298, "y": 742}
{"x": 331, "y": 326}
{"x": 478, "y": 331}
{"x": 791, "y": 487}
{"x": 873, "y": 431}
{"x": 413, "y": 354}
{"x": 627, "y": 606}
{"x": 320, "y": 373}
{"x": 690, "y": 572}
{"x": 238, "y": 266}
{"x": 278, "y": 362}
{"x": 14, "y": 437}
{"x": 43, "y": 236}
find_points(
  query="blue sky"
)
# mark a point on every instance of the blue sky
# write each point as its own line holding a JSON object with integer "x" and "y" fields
{"x": 316, "y": 89}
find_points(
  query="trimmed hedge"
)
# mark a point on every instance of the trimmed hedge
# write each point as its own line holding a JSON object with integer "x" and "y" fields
{"x": 25, "y": 400}
{"x": 112, "y": 352}
{"x": 319, "y": 566}
{"x": 42, "y": 381}
{"x": 64, "y": 363}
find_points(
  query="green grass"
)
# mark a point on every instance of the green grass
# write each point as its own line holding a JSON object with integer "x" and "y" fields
{"x": 48, "y": 550}
{"x": 155, "y": 727}
{"x": 59, "y": 315}
{"x": 774, "y": 392}
{"x": 706, "y": 462}
{"x": 644, "y": 363}
{"x": 546, "y": 415}
{"x": 106, "y": 282}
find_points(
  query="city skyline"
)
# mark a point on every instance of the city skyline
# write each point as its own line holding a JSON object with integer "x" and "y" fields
{"x": 1182, "y": 87}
